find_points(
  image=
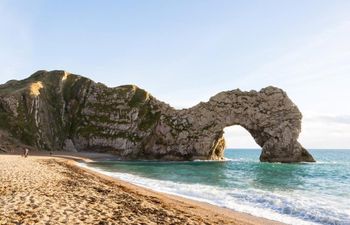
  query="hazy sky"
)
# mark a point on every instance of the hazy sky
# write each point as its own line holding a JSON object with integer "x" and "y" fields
{"x": 185, "y": 51}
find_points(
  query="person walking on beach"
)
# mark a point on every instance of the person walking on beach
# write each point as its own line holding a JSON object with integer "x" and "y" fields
{"x": 26, "y": 152}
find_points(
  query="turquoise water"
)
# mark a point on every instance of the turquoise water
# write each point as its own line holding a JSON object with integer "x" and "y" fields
{"x": 306, "y": 193}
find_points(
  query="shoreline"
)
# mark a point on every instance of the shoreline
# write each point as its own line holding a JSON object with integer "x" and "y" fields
{"x": 197, "y": 212}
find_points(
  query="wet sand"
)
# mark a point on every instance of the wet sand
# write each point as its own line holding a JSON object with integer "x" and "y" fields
{"x": 54, "y": 190}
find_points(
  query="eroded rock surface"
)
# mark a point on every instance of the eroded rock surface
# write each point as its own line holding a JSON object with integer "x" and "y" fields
{"x": 57, "y": 110}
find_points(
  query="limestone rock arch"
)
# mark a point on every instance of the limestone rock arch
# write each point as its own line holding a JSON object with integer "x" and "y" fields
{"x": 58, "y": 110}
{"x": 272, "y": 119}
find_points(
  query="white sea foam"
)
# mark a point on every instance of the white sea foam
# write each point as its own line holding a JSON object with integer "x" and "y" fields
{"x": 224, "y": 160}
{"x": 288, "y": 209}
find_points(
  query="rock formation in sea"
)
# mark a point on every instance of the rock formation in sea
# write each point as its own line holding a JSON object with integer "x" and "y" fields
{"x": 57, "y": 110}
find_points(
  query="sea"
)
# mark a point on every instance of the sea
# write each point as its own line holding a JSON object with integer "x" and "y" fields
{"x": 297, "y": 193}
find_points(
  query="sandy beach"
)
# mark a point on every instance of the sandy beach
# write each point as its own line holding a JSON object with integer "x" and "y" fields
{"x": 54, "y": 190}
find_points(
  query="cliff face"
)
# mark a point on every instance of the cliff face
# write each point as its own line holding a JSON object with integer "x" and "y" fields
{"x": 57, "y": 110}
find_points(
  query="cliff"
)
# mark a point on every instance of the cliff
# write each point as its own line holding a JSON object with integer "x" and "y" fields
{"x": 57, "y": 110}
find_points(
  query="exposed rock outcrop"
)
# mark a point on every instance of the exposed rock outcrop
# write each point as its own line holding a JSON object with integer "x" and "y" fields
{"x": 57, "y": 110}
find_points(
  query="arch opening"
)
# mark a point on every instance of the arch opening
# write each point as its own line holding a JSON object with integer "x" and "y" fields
{"x": 237, "y": 137}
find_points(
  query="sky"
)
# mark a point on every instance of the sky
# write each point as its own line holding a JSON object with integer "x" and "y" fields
{"x": 185, "y": 51}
